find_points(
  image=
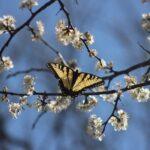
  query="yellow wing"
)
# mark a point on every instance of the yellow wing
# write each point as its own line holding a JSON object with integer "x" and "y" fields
{"x": 85, "y": 80}
{"x": 63, "y": 73}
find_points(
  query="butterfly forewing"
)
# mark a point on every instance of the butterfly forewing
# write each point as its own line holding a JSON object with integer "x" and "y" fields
{"x": 63, "y": 73}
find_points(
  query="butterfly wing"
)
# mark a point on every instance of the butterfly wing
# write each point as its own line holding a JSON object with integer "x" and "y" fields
{"x": 71, "y": 81}
{"x": 86, "y": 80}
{"x": 63, "y": 73}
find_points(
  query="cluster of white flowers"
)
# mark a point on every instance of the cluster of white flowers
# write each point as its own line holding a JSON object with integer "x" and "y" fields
{"x": 6, "y": 64}
{"x": 40, "y": 104}
{"x": 15, "y": 109}
{"x": 140, "y": 94}
{"x": 87, "y": 104}
{"x": 29, "y": 84}
{"x": 146, "y": 22}
{"x": 120, "y": 122}
{"x": 28, "y": 4}
{"x": 39, "y": 32}
{"x": 95, "y": 127}
{"x": 61, "y": 103}
{"x": 130, "y": 80}
{"x": 73, "y": 36}
{"x": 101, "y": 64}
{"x": 7, "y": 24}
{"x": 109, "y": 97}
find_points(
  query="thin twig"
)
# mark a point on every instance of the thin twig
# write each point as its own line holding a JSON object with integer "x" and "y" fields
{"x": 62, "y": 7}
{"x": 143, "y": 48}
{"x": 37, "y": 119}
{"x": 112, "y": 114}
{"x": 49, "y": 46}
{"x": 128, "y": 70}
{"x": 27, "y": 22}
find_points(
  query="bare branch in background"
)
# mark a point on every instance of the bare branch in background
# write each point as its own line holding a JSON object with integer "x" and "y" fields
{"x": 144, "y": 1}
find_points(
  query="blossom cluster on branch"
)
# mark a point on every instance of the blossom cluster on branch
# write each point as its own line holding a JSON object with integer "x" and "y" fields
{"x": 67, "y": 34}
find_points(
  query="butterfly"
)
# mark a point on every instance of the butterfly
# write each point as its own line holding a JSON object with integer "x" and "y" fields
{"x": 73, "y": 82}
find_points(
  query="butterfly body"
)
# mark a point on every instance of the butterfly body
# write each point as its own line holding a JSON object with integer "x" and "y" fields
{"x": 73, "y": 82}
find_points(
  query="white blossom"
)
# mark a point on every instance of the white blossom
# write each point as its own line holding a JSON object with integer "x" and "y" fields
{"x": 7, "y": 23}
{"x": 93, "y": 52}
{"x": 140, "y": 94}
{"x": 119, "y": 122}
{"x": 29, "y": 84}
{"x": 23, "y": 100}
{"x": 6, "y": 64}
{"x": 87, "y": 104}
{"x": 95, "y": 127}
{"x": 63, "y": 33}
{"x": 76, "y": 39}
{"x": 70, "y": 35}
{"x": 61, "y": 103}
{"x": 109, "y": 97}
{"x": 28, "y": 4}
{"x": 15, "y": 109}
{"x": 89, "y": 38}
{"x": 39, "y": 32}
{"x": 146, "y": 22}
{"x": 130, "y": 80}
{"x": 40, "y": 104}
{"x": 101, "y": 64}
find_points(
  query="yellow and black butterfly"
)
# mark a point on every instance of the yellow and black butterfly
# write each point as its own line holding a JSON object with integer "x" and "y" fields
{"x": 73, "y": 82}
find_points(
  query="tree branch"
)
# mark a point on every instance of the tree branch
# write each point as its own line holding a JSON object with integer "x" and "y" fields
{"x": 85, "y": 94}
{"x": 27, "y": 22}
{"x": 27, "y": 71}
